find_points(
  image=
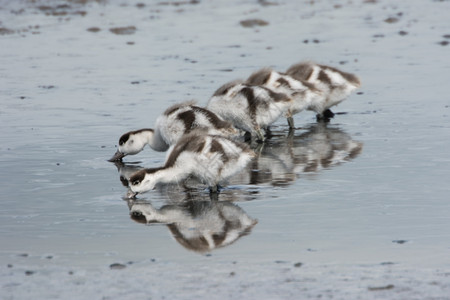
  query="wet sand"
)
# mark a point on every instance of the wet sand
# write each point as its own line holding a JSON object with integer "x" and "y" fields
{"x": 357, "y": 208}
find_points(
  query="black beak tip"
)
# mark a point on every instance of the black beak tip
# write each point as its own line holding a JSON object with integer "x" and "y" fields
{"x": 116, "y": 157}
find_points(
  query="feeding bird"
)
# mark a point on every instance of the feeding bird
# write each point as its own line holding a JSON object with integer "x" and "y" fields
{"x": 209, "y": 158}
{"x": 176, "y": 121}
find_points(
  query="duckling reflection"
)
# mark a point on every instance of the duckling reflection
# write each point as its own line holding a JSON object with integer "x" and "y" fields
{"x": 323, "y": 147}
{"x": 126, "y": 170}
{"x": 197, "y": 225}
{"x": 281, "y": 160}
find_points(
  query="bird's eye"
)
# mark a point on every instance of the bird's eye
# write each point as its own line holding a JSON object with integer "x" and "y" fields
{"x": 136, "y": 182}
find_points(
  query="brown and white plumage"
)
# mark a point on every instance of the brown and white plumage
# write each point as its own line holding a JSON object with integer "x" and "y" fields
{"x": 176, "y": 121}
{"x": 210, "y": 158}
{"x": 303, "y": 94}
{"x": 249, "y": 107}
{"x": 335, "y": 84}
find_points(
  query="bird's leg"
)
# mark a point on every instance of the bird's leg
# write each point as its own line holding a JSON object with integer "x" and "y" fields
{"x": 291, "y": 133}
{"x": 259, "y": 148}
{"x": 268, "y": 132}
{"x": 260, "y": 135}
{"x": 290, "y": 121}
{"x": 214, "y": 196}
{"x": 214, "y": 189}
{"x": 322, "y": 118}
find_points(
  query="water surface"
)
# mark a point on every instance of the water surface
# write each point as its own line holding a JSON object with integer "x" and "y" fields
{"x": 369, "y": 187}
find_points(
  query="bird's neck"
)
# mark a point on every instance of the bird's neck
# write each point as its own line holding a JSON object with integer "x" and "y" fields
{"x": 158, "y": 215}
{"x": 155, "y": 141}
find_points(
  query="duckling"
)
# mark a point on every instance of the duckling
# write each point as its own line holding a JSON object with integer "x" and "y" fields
{"x": 210, "y": 158}
{"x": 198, "y": 225}
{"x": 176, "y": 121}
{"x": 335, "y": 84}
{"x": 248, "y": 107}
{"x": 303, "y": 93}
{"x": 133, "y": 142}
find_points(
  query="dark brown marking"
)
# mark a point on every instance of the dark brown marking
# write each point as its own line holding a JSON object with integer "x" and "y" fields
{"x": 277, "y": 97}
{"x": 348, "y": 76}
{"x": 283, "y": 82}
{"x": 355, "y": 152}
{"x": 251, "y": 101}
{"x": 138, "y": 217}
{"x": 218, "y": 238}
{"x": 327, "y": 160}
{"x": 198, "y": 147}
{"x": 189, "y": 142}
{"x": 223, "y": 90}
{"x": 179, "y": 147}
{"x": 124, "y": 138}
{"x": 259, "y": 77}
{"x": 217, "y": 147}
{"x": 172, "y": 109}
{"x": 311, "y": 166}
{"x": 306, "y": 83}
{"x": 199, "y": 244}
{"x": 124, "y": 181}
{"x": 137, "y": 177}
{"x": 309, "y": 85}
{"x": 301, "y": 71}
{"x": 152, "y": 170}
{"x": 213, "y": 118}
{"x": 299, "y": 94}
{"x": 188, "y": 118}
{"x": 324, "y": 78}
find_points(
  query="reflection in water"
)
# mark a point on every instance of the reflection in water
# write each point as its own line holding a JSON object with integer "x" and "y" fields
{"x": 322, "y": 147}
{"x": 202, "y": 224}
{"x": 281, "y": 160}
{"x": 198, "y": 225}
{"x": 126, "y": 170}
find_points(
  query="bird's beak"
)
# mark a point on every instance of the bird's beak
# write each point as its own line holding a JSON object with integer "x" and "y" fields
{"x": 131, "y": 194}
{"x": 117, "y": 156}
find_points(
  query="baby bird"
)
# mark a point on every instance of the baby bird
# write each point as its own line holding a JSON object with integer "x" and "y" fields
{"x": 176, "y": 121}
{"x": 335, "y": 84}
{"x": 303, "y": 93}
{"x": 209, "y": 158}
{"x": 249, "y": 107}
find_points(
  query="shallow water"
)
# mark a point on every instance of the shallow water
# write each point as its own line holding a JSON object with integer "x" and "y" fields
{"x": 369, "y": 187}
